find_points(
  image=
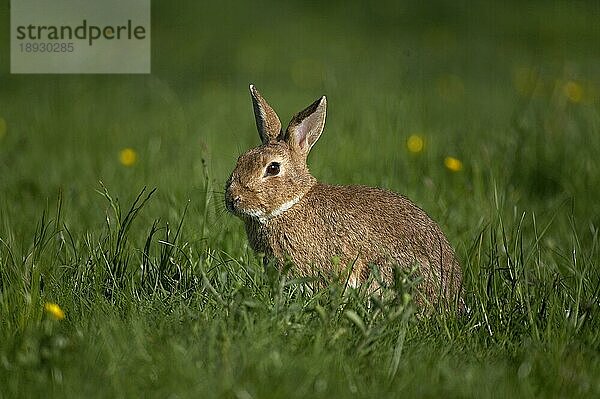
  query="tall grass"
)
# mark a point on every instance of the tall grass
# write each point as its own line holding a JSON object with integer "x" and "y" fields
{"x": 161, "y": 309}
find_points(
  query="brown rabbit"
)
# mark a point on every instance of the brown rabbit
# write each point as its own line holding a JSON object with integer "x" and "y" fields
{"x": 288, "y": 214}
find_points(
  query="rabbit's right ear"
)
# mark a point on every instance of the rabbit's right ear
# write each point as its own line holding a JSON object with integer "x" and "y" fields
{"x": 267, "y": 121}
{"x": 306, "y": 126}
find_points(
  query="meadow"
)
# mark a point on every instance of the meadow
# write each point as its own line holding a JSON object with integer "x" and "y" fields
{"x": 122, "y": 275}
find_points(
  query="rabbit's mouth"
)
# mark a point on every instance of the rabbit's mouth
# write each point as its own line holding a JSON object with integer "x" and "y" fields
{"x": 259, "y": 215}
{"x": 233, "y": 203}
{"x": 229, "y": 203}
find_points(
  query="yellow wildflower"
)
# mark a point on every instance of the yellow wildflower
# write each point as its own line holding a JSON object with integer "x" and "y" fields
{"x": 54, "y": 310}
{"x": 573, "y": 91}
{"x": 453, "y": 164}
{"x": 415, "y": 143}
{"x": 128, "y": 157}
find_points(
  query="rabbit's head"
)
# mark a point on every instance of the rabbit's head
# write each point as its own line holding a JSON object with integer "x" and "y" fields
{"x": 270, "y": 179}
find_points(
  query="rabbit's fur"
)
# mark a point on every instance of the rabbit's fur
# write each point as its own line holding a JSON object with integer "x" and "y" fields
{"x": 289, "y": 215}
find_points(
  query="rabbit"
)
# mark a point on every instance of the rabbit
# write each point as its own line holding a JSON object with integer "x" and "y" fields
{"x": 289, "y": 215}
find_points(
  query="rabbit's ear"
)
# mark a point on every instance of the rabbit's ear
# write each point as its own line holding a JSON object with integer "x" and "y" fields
{"x": 306, "y": 126}
{"x": 267, "y": 121}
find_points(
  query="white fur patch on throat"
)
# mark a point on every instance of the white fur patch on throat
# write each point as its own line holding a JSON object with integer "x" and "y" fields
{"x": 265, "y": 217}
{"x": 285, "y": 206}
{"x": 258, "y": 214}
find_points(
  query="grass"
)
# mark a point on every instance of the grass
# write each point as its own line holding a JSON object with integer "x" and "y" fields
{"x": 161, "y": 294}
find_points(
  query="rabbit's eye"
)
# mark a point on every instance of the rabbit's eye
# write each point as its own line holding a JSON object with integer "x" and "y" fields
{"x": 272, "y": 169}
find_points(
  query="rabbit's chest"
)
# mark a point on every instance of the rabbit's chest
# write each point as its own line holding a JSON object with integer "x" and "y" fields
{"x": 310, "y": 243}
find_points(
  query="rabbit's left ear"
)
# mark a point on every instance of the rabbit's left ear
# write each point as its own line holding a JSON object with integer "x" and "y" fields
{"x": 306, "y": 126}
{"x": 267, "y": 121}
